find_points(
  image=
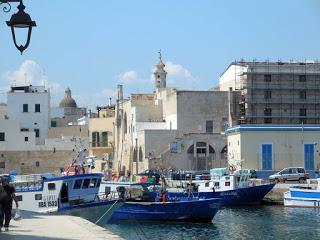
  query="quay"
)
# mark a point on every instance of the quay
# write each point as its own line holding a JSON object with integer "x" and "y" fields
{"x": 55, "y": 227}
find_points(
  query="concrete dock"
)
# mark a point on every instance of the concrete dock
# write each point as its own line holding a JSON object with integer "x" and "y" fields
{"x": 52, "y": 227}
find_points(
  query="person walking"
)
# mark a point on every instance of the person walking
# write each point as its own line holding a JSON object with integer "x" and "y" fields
{"x": 8, "y": 195}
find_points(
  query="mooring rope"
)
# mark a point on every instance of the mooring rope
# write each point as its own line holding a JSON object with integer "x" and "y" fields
{"x": 106, "y": 212}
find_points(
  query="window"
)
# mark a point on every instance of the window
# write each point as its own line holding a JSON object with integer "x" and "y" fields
{"x": 53, "y": 124}
{"x": 25, "y": 107}
{"x": 86, "y": 183}
{"x": 216, "y": 184}
{"x": 95, "y": 139}
{"x": 37, "y": 131}
{"x": 207, "y": 184}
{"x": 2, "y": 137}
{"x": 98, "y": 183}
{"x": 24, "y": 129}
{"x": 104, "y": 139}
{"x": 37, "y": 164}
{"x": 51, "y": 186}
{"x": 267, "y": 77}
{"x": 302, "y": 78}
{"x": 303, "y": 112}
{"x": 209, "y": 126}
{"x": 300, "y": 170}
{"x": 2, "y": 164}
{"x": 227, "y": 184}
{"x": 37, "y": 108}
{"x": 268, "y": 112}
{"x": 19, "y": 198}
{"x": 26, "y": 139}
{"x": 77, "y": 184}
{"x": 93, "y": 183}
{"x": 38, "y": 196}
{"x": 267, "y": 94}
{"x": 303, "y": 94}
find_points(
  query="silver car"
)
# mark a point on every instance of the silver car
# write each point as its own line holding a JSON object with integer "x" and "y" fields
{"x": 290, "y": 174}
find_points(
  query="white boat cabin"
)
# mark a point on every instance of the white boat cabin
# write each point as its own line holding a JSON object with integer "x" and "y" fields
{"x": 38, "y": 193}
{"x": 222, "y": 180}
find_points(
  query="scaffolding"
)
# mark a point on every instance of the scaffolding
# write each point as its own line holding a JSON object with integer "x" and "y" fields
{"x": 279, "y": 92}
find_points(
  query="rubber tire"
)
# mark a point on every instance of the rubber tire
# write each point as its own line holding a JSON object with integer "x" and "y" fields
{"x": 301, "y": 180}
{"x": 276, "y": 180}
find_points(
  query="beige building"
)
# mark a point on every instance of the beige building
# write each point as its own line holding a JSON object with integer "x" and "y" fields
{"x": 266, "y": 147}
{"x": 275, "y": 92}
{"x": 170, "y": 128}
{"x": 101, "y": 128}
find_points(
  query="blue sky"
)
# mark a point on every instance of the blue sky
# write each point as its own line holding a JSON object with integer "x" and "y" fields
{"x": 93, "y": 46}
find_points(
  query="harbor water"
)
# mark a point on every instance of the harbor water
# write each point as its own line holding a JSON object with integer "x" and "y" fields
{"x": 263, "y": 222}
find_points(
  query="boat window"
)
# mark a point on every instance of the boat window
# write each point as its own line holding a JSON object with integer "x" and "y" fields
{"x": 216, "y": 184}
{"x": 93, "y": 182}
{"x": 227, "y": 184}
{"x": 38, "y": 196}
{"x": 77, "y": 184}
{"x": 98, "y": 183}
{"x": 227, "y": 178}
{"x": 51, "y": 186}
{"x": 19, "y": 198}
{"x": 207, "y": 184}
{"x": 86, "y": 183}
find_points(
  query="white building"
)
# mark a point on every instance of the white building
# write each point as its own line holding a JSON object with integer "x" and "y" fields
{"x": 30, "y": 107}
{"x": 274, "y": 147}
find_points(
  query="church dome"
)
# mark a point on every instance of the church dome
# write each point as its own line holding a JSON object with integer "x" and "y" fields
{"x": 68, "y": 101}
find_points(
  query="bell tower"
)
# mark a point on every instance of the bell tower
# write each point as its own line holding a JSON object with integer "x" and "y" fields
{"x": 160, "y": 75}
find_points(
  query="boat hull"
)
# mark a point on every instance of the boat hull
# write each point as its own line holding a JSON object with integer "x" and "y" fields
{"x": 96, "y": 212}
{"x": 237, "y": 197}
{"x": 200, "y": 210}
{"x": 299, "y": 197}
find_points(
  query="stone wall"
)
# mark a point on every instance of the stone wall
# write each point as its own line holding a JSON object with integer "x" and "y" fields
{"x": 25, "y": 162}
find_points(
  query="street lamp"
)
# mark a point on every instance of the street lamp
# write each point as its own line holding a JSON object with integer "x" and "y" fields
{"x": 19, "y": 20}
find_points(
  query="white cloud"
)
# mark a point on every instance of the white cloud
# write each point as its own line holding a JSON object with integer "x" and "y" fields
{"x": 177, "y": 74}
{"x": 31, "y": 73}
{"x": 129, "y": 77}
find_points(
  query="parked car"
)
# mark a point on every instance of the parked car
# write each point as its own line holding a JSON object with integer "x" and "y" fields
{"x": 290, "y": 174}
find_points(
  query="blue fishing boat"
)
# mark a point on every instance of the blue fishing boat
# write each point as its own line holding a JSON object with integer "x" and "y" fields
{"x": 303, "y": 196}
{"x": 144, "y": 205}
{"x": 234, "y": 189}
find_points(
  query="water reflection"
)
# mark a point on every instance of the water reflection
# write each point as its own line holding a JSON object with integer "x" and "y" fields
{"x": 266, "y": 222}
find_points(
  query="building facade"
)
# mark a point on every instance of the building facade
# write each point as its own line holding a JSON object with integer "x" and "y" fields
{"x": 30, "y": 107}
{"x": 170, "y": 128}
{"x": 265, "y": 147}
{"x": 101, "y": 131}
{"x": 27, "y": 144}
{"x": 275, "y": 92}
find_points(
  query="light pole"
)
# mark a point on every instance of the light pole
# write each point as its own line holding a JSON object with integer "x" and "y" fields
{"x": 19, "y": 20}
